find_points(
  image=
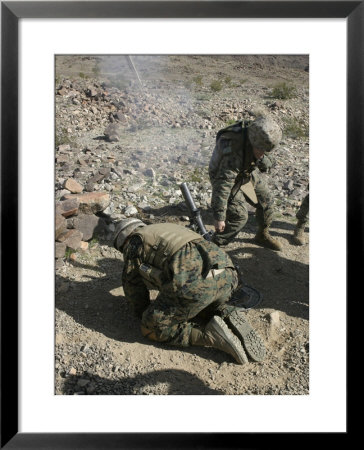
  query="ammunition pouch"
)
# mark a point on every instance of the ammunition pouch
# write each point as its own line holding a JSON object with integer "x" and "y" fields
{"x": 244, "y": 182}
{"x": 249, "y": 192}
{"x": 152, "y": 276}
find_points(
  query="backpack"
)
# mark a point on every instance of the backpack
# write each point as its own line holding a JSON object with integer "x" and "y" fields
{"x": 228, "y": 140}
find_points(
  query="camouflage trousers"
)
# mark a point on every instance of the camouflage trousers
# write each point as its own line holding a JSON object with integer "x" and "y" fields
{"x": 237, "y": 212}
{"x": 189, "y": 299}
{"x": 302, "y": 213}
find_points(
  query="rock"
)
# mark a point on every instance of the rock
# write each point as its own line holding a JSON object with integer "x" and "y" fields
{"x": 61, "y": 225}
{"x": 68, "y": 207}
{"x": 62, "y": 237}
{"x": 87, "y": 224}
{"x": 62, "y": 91}
{"x": 84, "y": 246}
{"x": 145, "y": 207}
{"x": 89, "y": 186}
{"x": 72, "y": 371}
{"x": 92, "y": 202}
{"x": 121, "y": 117}
{"x": 62, "y": 159}
{"x": 62, "y": 193}
{"x": 64, "y": 148}
{"x": 288, "y": 185}
{"x": 193, "y": 147}
{"x": 113, "y": 132}
{"x": 105, "y": 171}
{"x": 274, "y": 318}
{"x": 73, "y": 239}
{"x": 91, "y": 92}
{"x": 150, "y": 173}
{"x": 60, "y": 250}
{"x": 135, "y": 187}
{"x": 59, "y": 263}
{"x": 73, "y": 186}
{"x": 73, "y": 257}
{"x": 109, "y": 210}
{"x": 94, "y": 179}
{"x": 130, "y": 211}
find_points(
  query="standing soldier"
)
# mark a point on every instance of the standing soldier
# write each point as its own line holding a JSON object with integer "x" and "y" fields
{"x": 194, "y": 278}
{"x": 302, "y": 216}
{"x": 240, "y": 149}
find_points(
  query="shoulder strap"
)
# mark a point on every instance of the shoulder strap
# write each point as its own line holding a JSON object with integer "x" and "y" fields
{"x": 240, "y": 176}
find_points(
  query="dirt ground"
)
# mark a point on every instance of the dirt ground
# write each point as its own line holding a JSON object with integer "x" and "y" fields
{"x": 99, "y": 346}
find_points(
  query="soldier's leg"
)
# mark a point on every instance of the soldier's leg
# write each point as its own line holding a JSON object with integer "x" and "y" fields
{"x": 302, "y": 213}
{"x": 302, "y": 219}
{"x": 172, "y": 320}
{"x": 181, "y": 299}
{"x": 226, "y": 283}
{"x": 167, "y": 321}
{"x": 235, "y": 317}
{"x": 264, "y": 213}
{"x": 173, "y": 315}
{"x": 236, "y": 218}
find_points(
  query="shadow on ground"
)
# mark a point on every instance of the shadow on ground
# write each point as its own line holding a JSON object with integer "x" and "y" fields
{"x": 176, "y": 382}
{"x": 284, "y": 283}
{"x": 98, "y": 303}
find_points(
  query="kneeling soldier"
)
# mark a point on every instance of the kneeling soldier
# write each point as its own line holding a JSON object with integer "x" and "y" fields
{"x": 195, "y": 279}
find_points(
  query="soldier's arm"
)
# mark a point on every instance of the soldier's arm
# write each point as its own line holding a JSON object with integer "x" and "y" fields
{"x": 135, "y": 290}
{"x": 266, "y": 163}
{"x": 221, "y": 189}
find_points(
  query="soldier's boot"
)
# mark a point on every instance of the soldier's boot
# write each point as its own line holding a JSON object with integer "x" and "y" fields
{"x": 253, "y": 343}
{"x": 265, "y": 239}
{"x": 218, "y": 335}
{"x": 298, "y": 234}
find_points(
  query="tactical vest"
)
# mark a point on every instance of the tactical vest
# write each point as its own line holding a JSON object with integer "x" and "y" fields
{"x": 232, "y": 140}
{"x": 229, "y": 140}
{"x": 160, "y": 242}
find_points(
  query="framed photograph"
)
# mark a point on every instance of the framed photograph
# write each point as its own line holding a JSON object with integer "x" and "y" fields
{"x": 107, "y": 108}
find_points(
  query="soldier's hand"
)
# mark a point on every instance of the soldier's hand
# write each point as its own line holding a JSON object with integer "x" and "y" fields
{"x": 219, "y": 226}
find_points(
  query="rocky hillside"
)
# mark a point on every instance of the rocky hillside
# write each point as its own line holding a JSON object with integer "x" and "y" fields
{"x": 128, "y": 132}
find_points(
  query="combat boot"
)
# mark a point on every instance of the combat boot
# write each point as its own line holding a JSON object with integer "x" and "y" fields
{"x": 218, "y": 335}
{"x": 298, "y": 234}
{"x": 264, "y": 239}
{"x": 252, "y": 342}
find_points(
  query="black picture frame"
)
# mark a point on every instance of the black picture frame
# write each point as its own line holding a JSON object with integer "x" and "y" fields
{"x": 11, "y": 13}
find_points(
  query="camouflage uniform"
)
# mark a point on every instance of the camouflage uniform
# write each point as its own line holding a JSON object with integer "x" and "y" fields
{"x": 189, "y": 295}
{"x": 302, "y": 213}
{"x": 302, "y": 219}
{"x": 238, "y": 165}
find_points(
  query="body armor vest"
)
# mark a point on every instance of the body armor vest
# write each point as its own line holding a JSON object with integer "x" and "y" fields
{"x": 160, "y": 242}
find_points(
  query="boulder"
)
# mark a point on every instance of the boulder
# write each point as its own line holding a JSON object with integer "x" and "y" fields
{"x": 60, "y": 250}
{"x": 73, "y": 186}
{"x": 73, "y": 239}
{"x": 61, "y": 225}
{"x": 87, "y": 224}
{"x": 68, "y": 207}
{"x": 112, "y": 132}
{"x": 91, "y": 202}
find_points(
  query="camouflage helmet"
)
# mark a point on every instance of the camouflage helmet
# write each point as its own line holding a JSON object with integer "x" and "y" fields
{"x": 264, "y": 133}
{"x": 124, "y": 228}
